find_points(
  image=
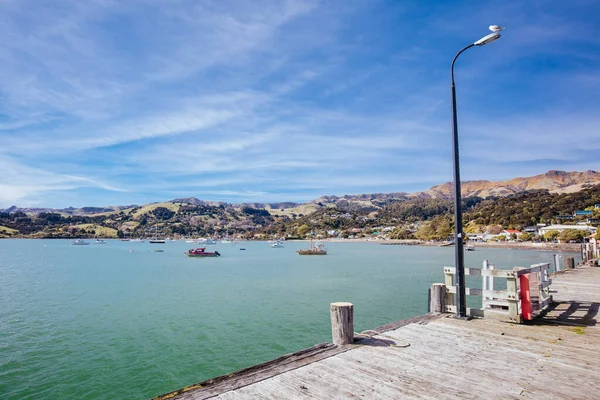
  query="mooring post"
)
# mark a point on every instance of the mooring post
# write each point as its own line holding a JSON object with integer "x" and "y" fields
{"x": 342, "y": 322}
{"x": 437, "y": 302}
{"x": 557, "y": 267}
{"x": 569, "y": 263}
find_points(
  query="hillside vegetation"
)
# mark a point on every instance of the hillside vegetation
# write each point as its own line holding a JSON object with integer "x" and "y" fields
{"x": 397, "y": 215}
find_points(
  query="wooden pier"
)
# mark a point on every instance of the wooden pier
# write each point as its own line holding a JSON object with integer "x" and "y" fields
{"x": 436, "y": 356}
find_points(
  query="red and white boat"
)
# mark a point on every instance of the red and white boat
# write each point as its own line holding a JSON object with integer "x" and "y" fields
{"x": 201, "y": 252}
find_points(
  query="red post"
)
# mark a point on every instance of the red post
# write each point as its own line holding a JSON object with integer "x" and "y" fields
{"x": 525, "y": 297}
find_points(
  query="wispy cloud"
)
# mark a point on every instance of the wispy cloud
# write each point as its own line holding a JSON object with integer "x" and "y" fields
{"x": 107, "y": 102}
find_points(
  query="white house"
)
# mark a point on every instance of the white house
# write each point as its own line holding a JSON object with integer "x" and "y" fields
{"x": 509, "y": 232}
{"x": 561, "y": 228}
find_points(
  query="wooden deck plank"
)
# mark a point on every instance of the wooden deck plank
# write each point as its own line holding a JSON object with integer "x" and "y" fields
{"x": 553, "y": 357}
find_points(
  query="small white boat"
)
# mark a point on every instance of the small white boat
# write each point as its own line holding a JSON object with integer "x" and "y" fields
{"x": 470, "y": 248}
{"x": 277, "y": 244}
{"x": 79, "y": 242}
{"x": 138, "y": 240}
{"x": 99, "y": 241}
{"x": 206, "y": 241}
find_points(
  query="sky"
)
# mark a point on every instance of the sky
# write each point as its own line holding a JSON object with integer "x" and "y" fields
{"x": 108, "y": 102}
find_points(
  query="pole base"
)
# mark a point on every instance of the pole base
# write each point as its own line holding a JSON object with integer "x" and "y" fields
{"x": 465, "y": 318}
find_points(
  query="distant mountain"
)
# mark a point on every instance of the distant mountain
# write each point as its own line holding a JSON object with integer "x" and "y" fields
{"x": 553, "y": 181}
{"x": 196, "y": 202}
{"x": 545, "y": 198}
{"x": 69, "y": 210}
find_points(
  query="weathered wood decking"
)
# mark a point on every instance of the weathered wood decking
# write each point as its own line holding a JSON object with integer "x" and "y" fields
{"x": 554, "y": 357}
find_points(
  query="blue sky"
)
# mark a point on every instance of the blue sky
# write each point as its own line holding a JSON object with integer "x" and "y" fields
{"x": 108, "y": 102}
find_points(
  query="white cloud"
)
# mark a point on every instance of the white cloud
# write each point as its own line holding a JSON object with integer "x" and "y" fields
{"x": 285, "y": 98}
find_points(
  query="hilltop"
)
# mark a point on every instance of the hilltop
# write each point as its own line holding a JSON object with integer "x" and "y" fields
{"x": 553, "y": 181}
{"x": 516, "y": 202}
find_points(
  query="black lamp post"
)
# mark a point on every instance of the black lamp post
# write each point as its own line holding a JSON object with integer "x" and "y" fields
{"x": 459, "y": 256}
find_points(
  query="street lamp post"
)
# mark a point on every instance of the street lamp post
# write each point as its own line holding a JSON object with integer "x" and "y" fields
{"x": 459, "y": 256}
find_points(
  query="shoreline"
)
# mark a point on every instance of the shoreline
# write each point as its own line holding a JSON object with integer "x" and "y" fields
{"x": 566, "y": 247}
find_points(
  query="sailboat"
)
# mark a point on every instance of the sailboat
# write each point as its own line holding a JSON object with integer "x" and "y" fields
{"x": 156, "y": 239}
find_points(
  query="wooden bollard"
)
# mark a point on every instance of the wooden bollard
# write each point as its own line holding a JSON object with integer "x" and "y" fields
{"x": 342, "y": 322}
{"x": 437, "y": 302}
{"x": 569, "y": 263}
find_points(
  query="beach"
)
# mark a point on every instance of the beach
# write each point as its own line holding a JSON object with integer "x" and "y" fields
{"x": 563, "y": 247}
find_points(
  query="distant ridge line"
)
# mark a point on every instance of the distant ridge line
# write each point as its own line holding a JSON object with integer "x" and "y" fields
{"x": 554, "y": 181}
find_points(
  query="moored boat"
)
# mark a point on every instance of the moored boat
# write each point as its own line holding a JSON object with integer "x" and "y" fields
{"x": 277, "y": 244}
{"x": 317, "y": 249}
{"x": 201, "y": 252}
{"x": 470, "y": 248}
{"x": 206, "y": 241}
{"x": 80, "y": 242}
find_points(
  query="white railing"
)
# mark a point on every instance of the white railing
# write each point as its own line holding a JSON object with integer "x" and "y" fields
{"x": 526, "y": 294}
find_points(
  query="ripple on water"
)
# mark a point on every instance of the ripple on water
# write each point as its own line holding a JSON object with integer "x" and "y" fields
{"x": 99, "y": 322}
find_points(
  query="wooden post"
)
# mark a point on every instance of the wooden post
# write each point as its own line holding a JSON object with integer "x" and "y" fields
{"x": 437, "y": 303}
{"x": 342, "y": 322}
{"x": 569, "y": 263}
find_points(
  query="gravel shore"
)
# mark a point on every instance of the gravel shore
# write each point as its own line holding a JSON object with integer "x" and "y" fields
{"x": 568, "y": 247}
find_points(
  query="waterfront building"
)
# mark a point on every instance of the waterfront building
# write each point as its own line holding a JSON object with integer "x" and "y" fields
{"x": 560, "y": 228}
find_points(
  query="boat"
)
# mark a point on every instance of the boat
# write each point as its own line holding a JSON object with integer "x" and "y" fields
{"x": 201, "y": 252}
{"x": 79, "y": 242}
{"x": 124, "y": 240}
{"x": 137, "y": 240}
{"x": 317, "y": 249}
{"x": 470, "y": 248}
{"x": 99, "y": 241}
{"x": 158, "y": 250}
{"x": 207, "y": 241}
{"x": 277, "y": 244}
{"x": 446, "y": 244}
{"x": 155, "y": 238}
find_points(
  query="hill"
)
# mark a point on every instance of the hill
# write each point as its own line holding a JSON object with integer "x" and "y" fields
{"x": 553, "y": 181}
{"x": 517, "y": 202}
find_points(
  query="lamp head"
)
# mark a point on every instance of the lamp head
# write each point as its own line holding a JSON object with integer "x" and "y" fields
{"x": 487, "y": 39}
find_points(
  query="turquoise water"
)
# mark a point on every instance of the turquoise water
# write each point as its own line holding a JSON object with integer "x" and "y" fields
{"x": 122, "y": 321}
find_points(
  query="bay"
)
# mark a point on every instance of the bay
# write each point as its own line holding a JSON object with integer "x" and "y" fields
{"x": 119, "y": 320}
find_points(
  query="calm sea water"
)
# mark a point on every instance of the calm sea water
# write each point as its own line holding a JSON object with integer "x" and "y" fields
{"x": 120, "y": 320}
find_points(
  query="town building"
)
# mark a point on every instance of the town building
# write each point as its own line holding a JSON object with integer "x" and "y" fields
{"x": 508, "y": 233}
{"x": 560, "y": 228}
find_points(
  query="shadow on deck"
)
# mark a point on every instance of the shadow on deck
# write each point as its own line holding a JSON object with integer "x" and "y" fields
{"x": 573, "y": 313}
